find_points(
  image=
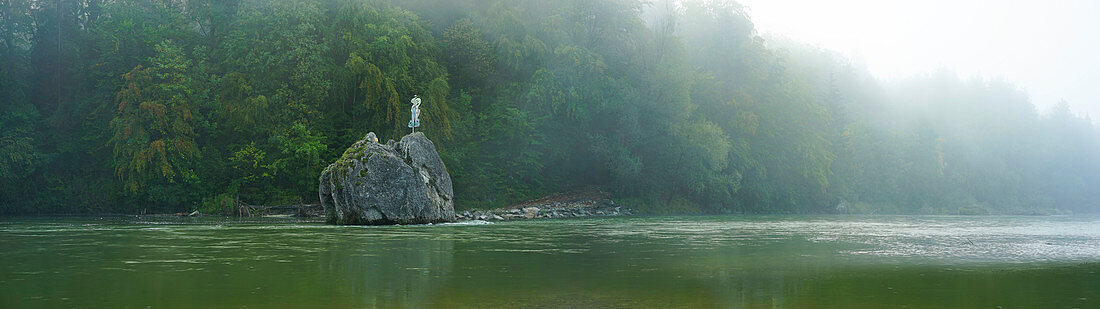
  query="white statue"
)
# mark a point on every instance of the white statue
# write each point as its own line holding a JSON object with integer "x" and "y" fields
{"x": 415, "y": 122}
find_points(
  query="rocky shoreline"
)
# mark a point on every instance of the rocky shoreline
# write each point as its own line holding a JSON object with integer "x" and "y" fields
{"x": 591, "y": 202}
{"x": 586, "y": 203}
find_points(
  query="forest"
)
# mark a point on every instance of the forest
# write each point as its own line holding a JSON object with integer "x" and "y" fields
{"x": 162, "y": 106}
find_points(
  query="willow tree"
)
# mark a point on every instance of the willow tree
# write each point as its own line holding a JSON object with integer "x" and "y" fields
{"x": 382, "y": 56}
{"x": 17, "y": 152}
{"x": 152, "y": 131}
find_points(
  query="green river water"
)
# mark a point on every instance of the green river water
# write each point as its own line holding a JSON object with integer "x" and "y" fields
{"x": 637, "y": 262}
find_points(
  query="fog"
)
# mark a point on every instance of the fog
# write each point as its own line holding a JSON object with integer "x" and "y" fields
{"x": 1047, "y": 48}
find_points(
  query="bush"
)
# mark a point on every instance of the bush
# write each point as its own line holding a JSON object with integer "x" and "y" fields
{"x": 222, "y": 204}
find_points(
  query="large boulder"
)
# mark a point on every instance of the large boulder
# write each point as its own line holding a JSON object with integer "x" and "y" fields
{"x": 391, "y": 183}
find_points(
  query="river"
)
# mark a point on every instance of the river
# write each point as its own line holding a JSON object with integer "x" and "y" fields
{"x": 634, "y": 262}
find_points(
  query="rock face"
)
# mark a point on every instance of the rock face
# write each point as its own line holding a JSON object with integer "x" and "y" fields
{"x": 391, "y": 183}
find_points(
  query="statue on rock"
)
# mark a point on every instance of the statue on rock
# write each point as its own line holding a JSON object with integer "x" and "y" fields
{"x": 374, "y": 183}
{"x": 415, "y": 121}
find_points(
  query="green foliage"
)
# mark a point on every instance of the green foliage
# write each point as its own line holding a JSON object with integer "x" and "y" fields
{"x": 250, "y": 172}
{"x": 18, "y": 155}
{"x": 153, "y": 135}
{"x": 222, "y": 204}
{"x": 301, "y": 151}
{"x": 469, "y": 57}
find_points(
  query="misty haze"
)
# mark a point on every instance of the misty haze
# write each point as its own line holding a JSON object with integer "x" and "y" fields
{"x": 550, "y": 154}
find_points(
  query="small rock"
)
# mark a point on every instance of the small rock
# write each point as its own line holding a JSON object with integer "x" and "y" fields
{"x": 530, "y": 212}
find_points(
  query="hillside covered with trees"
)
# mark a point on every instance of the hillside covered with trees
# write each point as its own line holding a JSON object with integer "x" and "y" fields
{"x": 135, "y": 106}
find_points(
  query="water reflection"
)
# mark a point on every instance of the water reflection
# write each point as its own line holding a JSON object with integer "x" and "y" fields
{"x": 388, "y": 273}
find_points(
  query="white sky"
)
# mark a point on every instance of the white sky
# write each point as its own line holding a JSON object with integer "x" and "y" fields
{"x": 1051, "y": 48}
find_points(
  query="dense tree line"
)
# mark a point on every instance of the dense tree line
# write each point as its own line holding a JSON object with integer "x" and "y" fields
{"x": 678, "y": 107}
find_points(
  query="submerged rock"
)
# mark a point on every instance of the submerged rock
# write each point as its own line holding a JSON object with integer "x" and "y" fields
{"x": 402, "y": 183}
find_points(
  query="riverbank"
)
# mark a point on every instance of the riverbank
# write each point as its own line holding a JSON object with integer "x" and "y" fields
{"x": 590, "y": 202}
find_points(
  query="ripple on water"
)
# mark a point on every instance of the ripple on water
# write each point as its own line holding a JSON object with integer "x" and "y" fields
{"x": 929, "y": 239}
